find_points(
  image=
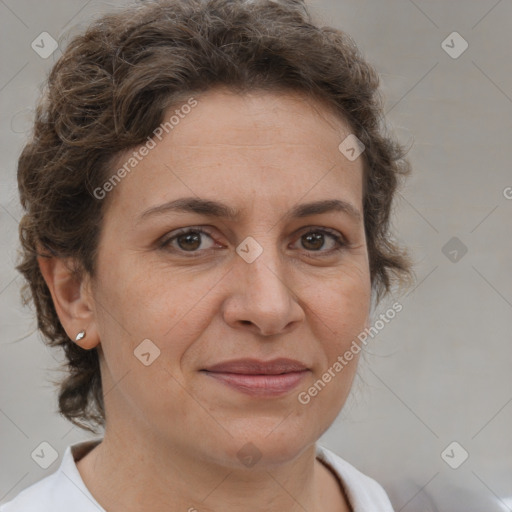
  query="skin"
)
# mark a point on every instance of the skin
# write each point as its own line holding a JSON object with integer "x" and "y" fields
{"x": 172, "y": 432}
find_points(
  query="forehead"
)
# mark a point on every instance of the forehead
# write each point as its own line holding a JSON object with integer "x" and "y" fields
{"x": 257, "y": 118}
{"x": 249, "y": 146}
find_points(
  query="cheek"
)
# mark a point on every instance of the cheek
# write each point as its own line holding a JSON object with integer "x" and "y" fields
{"x": 338, "y": 313}
{"x": 135, "y": 307}
{"x": 341, "y": 307}
{"x": 137, "y": 302}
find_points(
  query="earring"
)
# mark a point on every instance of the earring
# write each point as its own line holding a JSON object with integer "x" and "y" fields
{"x": 80, "y": 335}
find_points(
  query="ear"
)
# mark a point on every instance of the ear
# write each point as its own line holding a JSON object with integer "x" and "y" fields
{"x": 72, "y": 298}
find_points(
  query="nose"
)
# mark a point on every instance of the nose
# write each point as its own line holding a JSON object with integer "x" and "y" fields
{"x": 262, "y": 297}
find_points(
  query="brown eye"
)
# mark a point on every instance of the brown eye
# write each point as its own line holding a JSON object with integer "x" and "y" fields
{"x": 313, "y": 241}
{"x": 191, "y": 241}
{"x": 316, "y": 240}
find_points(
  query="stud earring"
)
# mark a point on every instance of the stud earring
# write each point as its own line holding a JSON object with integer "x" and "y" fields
{"x": 80, "y": 335}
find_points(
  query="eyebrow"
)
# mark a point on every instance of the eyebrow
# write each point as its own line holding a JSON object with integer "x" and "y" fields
{"x": 222, "y": 211}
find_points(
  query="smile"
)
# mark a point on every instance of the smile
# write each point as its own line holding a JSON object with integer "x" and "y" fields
{"x": 259, "y": 378}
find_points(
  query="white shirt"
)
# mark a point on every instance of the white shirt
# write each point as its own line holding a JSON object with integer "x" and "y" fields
{"x": 65, "y": 491}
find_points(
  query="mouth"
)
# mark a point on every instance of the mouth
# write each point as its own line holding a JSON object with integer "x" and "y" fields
{"x": 259, "y": 378}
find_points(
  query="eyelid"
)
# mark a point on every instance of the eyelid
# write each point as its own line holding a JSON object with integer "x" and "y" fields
{"x": 335, "y": 233}
{"x": 169, "y": 237}
{"x": 338, "y": 237}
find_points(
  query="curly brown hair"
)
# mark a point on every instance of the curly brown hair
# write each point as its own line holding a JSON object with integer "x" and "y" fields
{"x": 110, "y": 90}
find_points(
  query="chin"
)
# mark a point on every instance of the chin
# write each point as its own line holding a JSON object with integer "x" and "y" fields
{"x": 269, "y": 444}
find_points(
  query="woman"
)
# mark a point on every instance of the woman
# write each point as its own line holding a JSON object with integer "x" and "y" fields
{"x": 207, "y": 196}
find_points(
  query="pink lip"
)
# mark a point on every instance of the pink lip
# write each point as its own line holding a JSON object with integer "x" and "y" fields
{"x": 259, "y": 378}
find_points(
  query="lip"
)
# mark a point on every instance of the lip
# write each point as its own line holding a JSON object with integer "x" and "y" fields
{"x": 257, "y": 367}
{"x": 259, "y": 378}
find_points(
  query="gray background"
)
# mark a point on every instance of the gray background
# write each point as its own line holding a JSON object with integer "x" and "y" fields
{"x": 440, "y": 371}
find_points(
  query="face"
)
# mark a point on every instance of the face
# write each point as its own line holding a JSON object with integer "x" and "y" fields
{"x": 273, "y": 279}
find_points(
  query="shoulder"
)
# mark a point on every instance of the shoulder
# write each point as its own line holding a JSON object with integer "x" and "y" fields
{"x": 61, "y": 491}
{"x": 363, "y": 492}
{"x": 35, "y": 498}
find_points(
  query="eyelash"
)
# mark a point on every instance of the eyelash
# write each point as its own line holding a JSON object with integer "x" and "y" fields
{"x": 166, "y": 242}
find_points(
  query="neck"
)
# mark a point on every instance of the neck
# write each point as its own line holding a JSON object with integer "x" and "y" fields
{"x": 138, "y": 474}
